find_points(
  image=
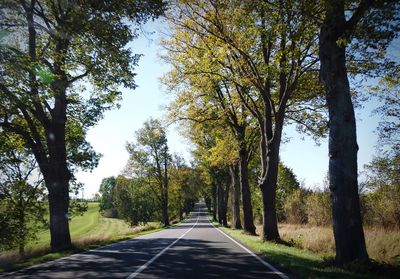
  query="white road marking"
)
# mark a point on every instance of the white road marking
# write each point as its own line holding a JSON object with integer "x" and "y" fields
{"x": 271, "y": 267}
{"x": 149, "y": 262}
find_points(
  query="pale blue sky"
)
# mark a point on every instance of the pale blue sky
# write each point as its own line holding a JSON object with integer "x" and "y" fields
{"x": 308, "y": 161}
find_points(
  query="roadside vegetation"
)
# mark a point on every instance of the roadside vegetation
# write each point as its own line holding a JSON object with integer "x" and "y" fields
{"x": 88, "y": 231}
{"x": 307, "y": 264}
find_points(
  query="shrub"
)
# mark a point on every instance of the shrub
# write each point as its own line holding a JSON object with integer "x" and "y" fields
{"x": 295, "y": 210}
{"x": 382, "y": 207}
{"x": 318, "y": 208}
{"x": 134, "y": 201}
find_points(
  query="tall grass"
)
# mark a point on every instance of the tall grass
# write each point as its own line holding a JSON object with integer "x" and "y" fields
{"x": 383, "y": 245}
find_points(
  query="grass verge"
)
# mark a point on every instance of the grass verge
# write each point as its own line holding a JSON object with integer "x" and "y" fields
{"x": 89, "y": 231}
{"x": 44, "y": 254}
{"x": 306, "y": 264}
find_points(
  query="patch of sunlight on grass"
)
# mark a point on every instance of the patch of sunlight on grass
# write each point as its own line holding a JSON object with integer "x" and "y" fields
{"x": 303, "y": 263}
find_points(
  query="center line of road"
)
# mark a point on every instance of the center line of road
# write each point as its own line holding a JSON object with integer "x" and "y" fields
{"x": 149, "y": 262}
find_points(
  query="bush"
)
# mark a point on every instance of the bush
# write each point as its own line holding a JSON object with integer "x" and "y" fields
{"x": 295, "y": 210}
{"x": 319, "y": 208}
{"x": 382, "y": 207}
{"x": 134, "y": 201}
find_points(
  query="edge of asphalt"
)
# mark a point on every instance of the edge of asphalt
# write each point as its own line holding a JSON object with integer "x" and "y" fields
{"x": 286, "y": 273}
{"x": 87, "y": 250}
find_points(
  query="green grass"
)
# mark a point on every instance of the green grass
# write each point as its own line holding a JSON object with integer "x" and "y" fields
{"x": 88, "y": 231}
{"x": 44, "y": 255}
{"x": 307, "y": 264}
{"x": 90, "y": 225}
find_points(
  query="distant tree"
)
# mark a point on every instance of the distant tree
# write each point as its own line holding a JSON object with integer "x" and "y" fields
{"x": 183, "y": 188}
{"x": 319, "y": 208}
{"x": 96, "y": 197}
{"x": 134, "y": 200}
{"x": 388, "y": 92}
{"x": 22, "y": 196}
{"x": 295, "y": 207}
{"x": 150, "y": 161}
{"x": 381, "y": 200}
{"x": 107, "y": 188}
{"x": 52, "y": 49}
{"x": 286, "y": 184}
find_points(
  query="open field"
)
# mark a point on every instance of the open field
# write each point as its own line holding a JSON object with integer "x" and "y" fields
{"x": 90, "y": 225}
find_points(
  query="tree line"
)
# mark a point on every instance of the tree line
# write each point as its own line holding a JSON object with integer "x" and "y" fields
{"x": 242, "y": 71}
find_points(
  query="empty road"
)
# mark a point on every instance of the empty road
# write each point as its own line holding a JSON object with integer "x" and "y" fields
{"x": 194, "y": 249}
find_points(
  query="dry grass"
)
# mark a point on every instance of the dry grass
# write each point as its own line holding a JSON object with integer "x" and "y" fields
{"x": 382, "y": 245}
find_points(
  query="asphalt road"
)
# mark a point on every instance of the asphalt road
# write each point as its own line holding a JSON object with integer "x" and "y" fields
{"x": 194, "y": 249}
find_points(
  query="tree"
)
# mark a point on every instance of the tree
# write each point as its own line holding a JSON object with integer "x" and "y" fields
{"x": 208, "y": 98}
{"x": 134, "y": 200}
{"x": 184, "y": 186}
{"x": 150, "y": 160}
{"x": 107, "y": 188}
{"x": 371, "y": 24}
{"x": 268, "y": 53}
{"x": 22, "y": 196}
{"x": 381, "y": 201}
{"x": 54, "y": 47}
{"x": 287, "y": 183}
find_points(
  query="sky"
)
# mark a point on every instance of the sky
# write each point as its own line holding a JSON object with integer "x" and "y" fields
{"x": 109, "y": 137}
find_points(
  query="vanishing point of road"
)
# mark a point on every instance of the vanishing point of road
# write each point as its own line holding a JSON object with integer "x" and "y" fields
{"x": 194, "y": 249}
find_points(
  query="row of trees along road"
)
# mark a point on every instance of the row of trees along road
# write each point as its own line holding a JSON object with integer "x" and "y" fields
{"x": 258, "y": 66}
{"x": 62, "y": 64}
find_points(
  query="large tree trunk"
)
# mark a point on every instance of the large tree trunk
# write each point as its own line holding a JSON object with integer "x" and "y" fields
{"x": 235, "y": 197}
{"x": 223, "y": 194}
{"x": 268, "y": 188}
{"x": 57, "y": 177}
{"x": 57, "y": 182}
{"x": 214, "y": 201}
{"x": 164, "y": 206}
{"x": 248, "y": 221}
{"x": 225, "y": 202}
{"x": 347, "y": 224}
{"x": 220, "y": 200}
{"x": 165, "y": 217}
{"x": 22, "y": 233}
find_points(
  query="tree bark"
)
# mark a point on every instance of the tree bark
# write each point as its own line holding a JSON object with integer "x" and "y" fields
{"x": 58, "y": 186}
{"x": 165, "y": 217}
{"x": 268, "y": 188}
{"x": 214, "y": 201}
{"x": 220, "y": 198}
{"x": 235, "y": 196}
{"x": 57, "y": 175}
{"x": 22, "y": 233}
{"x": 223, "y": 194}
{"x": 248, "y": 221}
{"x": 164, "y": 205}
{"x": 343, "y": 148}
